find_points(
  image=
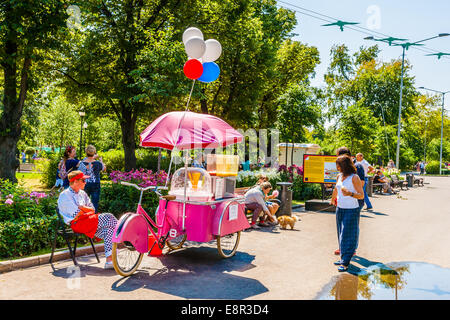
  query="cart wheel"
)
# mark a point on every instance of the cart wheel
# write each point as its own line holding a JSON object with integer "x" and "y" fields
{"x": 227, "y": 245}
{"x": 177, "y": 242}
{"x": 127, "y": 259}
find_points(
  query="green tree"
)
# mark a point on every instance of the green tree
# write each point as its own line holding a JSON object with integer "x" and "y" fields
{"x": 59, "y": 123}
{"x": 297, "y": 110}
{"x": 27, "y": 35}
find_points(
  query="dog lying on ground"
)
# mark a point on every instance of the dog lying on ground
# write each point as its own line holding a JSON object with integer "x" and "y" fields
{"x": 287, "y": 220}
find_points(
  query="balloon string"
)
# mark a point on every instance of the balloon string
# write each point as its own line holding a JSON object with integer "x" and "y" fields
{"x": 190, "y": 94}
{"x": 178, "y": 131}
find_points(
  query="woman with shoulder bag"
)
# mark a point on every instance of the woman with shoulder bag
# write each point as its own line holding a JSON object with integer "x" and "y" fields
{"x": 92, "y": 167}
{"x": 345, "y": 197}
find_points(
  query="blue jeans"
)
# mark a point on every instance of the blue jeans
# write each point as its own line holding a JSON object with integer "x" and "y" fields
{"x": 366, "y": 197}
{"x": 93, "y": 191}
{"x": 347, "y": 222}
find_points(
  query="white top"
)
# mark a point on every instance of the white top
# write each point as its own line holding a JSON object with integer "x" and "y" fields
{"x": 365, "y": 165}
{"x": 256, "y": 195}
{"x": 346, "y": 202}
{"x": 69, "y": 201}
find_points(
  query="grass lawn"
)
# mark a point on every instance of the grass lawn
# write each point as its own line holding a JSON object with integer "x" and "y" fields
{"x": 296, "y": 202}
{"x": 31, "y": 181}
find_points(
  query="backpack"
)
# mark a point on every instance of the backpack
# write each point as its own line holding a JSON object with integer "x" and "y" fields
{"x": 63, "y": 173}
{"x": 88, "y": 170}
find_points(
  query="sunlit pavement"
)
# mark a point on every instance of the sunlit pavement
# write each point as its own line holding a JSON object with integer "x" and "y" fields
{"x": 270, "y": 263}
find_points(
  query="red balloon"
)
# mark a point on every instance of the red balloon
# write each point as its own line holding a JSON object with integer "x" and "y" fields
{"x": 193, "y": 69}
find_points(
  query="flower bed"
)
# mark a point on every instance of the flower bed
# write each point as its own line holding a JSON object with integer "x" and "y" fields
{"x": 27, "y": 220}
{"x": 118, "y": 199}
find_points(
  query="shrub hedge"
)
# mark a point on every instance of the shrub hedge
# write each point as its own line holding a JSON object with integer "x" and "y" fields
{"x": 27, "y": 220}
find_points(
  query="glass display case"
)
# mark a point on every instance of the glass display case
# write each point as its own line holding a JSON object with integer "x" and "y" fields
{"x": 198, "y": 186}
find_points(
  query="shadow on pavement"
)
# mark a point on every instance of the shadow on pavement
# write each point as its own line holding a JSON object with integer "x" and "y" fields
{"x": 196, "y": 273}
{"x": 86, "y": 266}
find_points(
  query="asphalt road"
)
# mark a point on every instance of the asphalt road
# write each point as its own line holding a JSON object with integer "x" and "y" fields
{"x": 270, "y": 263}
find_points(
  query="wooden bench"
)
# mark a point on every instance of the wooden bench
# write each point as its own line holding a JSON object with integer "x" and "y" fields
{"x": 396, "y": 182}
{"x": 377, "y": 187}
{"x": 418, "y": 181}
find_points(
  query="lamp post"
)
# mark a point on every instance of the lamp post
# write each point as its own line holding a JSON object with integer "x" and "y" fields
{"x": 405, "y": 46}
{"x": 82, "y": 114}
{"x": 85, "y": 125}
{"x": 442, "y": 123}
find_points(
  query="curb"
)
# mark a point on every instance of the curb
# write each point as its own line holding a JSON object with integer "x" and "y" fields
{"x": 298, "y": 206}
{"x": 11, "y": 265}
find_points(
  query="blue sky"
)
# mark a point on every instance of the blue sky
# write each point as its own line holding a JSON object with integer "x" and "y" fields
{"x": 413, "y": 20}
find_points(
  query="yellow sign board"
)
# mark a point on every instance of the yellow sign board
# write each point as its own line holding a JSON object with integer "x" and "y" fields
{"x": 319, "y": 169}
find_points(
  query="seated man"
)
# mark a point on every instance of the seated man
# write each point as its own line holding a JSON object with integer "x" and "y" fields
{"x": 380, "y": 178}
{"x": 255, "y": 200}
{"x": 78, "y": 212}
{"x": 271, "y": 200}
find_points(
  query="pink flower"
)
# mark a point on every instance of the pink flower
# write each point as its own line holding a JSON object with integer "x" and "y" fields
{"x": 9, "y": 201}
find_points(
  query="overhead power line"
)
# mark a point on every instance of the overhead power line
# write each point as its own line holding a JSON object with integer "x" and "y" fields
{"x": 329, "y": 19}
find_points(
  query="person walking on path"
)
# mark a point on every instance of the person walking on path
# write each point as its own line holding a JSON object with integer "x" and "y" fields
{"x": 348, "y": 190}
{"x": 422, "y": 167}
{"x": 68, "y": 164}
{"x": 92, "y": 167}
{"x": 367, "y": 169}
{"x": 77, "y": 211}
{"x": 360, "y": 172}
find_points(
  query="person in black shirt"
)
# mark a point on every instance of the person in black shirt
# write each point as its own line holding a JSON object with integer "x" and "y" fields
{"x": 92, "y": 167}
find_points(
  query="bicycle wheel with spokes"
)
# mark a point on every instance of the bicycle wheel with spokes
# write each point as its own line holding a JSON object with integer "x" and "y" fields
{"x": 227, "y": 245}
{"x": 126, "y": 259}
{"x": 177, "y": 242}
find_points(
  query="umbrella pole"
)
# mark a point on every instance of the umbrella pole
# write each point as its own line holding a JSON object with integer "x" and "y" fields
{"x": 176, "y": 140}
{"x": 185, "y": 186}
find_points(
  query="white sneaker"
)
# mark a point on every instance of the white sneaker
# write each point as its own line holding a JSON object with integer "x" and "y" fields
{"x": 108, "y": 265}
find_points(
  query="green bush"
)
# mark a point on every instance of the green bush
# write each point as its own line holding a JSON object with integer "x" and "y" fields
{"x": 24, "y": 236}
{"x": 26, "y": 220}
{"x": 432, "y": 167}
{"x": 49, "y": 170}
{"x": 148, "y": 159}
{"x": 305, "y": 191}
{"x": 114, "y": 160}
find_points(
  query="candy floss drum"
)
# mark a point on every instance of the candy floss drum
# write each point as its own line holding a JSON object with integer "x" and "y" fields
{"x": 191, "y": 210}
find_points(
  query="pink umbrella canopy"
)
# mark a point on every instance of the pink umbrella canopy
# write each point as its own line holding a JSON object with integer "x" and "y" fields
{"x": 188, "y": 130}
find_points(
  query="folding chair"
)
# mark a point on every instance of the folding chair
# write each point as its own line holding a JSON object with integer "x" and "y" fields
{"x": 67, "y": 232}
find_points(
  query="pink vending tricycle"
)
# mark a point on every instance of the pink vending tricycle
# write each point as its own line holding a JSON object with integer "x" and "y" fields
{"x": 201, "y": 206}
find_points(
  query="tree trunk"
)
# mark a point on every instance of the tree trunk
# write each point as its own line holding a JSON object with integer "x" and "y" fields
{"x": 10, "y": 126}
{"x": 127, "y": 124}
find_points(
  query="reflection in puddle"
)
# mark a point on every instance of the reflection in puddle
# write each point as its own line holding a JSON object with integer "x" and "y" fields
{"x": 403, "y": 281}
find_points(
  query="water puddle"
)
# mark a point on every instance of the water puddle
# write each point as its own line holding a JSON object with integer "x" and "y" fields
{"x": 393, "y": 281}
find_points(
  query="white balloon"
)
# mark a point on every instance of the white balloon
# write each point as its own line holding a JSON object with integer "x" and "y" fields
{"x": 195, "y": 47}
{"x": 191, "y": 32}
{"x": 213, "y": 50}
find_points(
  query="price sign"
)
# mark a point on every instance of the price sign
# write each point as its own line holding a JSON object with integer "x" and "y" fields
{"x": 233, "y": 212}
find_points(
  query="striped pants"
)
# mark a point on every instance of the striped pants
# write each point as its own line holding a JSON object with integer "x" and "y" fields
{"x": 347, "y": 221}
{"x": 106, "y": 225}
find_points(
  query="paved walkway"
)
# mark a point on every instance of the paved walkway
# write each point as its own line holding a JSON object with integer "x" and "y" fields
{"x": 269, "y": 264}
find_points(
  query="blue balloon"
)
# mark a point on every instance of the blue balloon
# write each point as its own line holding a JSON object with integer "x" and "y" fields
{"x": 210, "y": 73}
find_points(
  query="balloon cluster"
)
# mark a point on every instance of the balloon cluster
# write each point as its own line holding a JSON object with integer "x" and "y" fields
{"x": 201, "y": 56}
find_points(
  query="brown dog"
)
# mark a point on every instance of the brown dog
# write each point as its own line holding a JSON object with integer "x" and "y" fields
{"x": 287, "y": 220}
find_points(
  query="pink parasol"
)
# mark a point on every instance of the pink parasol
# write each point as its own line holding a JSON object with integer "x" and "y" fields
{"x": 188, "y": 130}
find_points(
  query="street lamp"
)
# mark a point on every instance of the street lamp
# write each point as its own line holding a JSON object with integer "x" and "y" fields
{"x": 85, "y": 125}
{"x": 442, "y": 123}
{"x": 405, "y": 46}
{"x": 82, "y": 114}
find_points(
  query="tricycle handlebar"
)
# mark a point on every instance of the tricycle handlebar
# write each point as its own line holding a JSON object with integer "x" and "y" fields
{"x": 155, "y": 188}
